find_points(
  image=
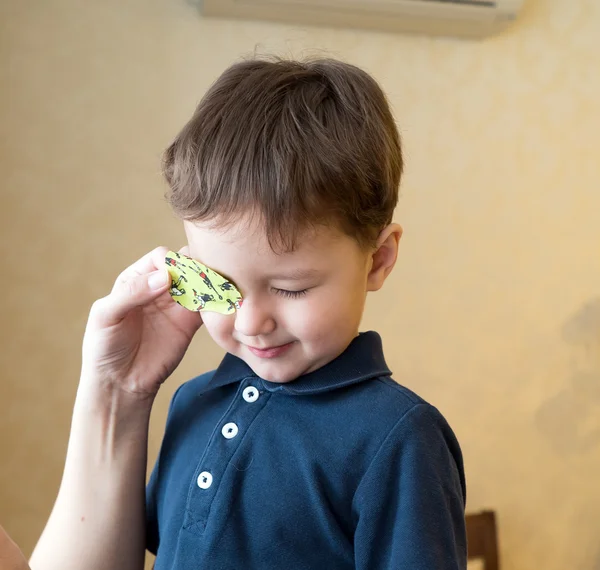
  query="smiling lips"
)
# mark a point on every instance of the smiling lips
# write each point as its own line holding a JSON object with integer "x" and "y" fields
{"x": 270, "y": 352}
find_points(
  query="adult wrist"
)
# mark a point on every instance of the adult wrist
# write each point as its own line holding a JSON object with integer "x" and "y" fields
{"x": 113, "y": 405}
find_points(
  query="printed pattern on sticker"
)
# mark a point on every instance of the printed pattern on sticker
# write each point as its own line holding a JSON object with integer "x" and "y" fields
{"x": 199, "y": 288}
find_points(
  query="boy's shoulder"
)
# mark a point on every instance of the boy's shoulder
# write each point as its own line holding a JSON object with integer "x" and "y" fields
{"x": 385, "y": 406}
{"x": 386, "y": 390}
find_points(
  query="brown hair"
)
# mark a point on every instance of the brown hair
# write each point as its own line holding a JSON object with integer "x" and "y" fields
{"x": 298, "y": 143}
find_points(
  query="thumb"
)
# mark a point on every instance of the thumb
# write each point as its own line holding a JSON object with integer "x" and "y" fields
{"x": 136, "y": 291}
{"x": 11, "y": 557}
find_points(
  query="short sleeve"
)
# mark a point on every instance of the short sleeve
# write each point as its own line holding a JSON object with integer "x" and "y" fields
{"x": 152, "y": 492}
{"x": 410, "y": 504}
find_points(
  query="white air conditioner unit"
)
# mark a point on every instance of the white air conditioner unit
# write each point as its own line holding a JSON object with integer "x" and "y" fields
{"x": 465, "y": 18}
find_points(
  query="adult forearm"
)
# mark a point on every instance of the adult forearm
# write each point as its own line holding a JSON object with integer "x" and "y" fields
{"x": 97, "y": 522}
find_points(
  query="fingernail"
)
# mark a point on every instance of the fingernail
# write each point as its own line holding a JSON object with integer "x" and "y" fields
{"x": 158, "y": 279}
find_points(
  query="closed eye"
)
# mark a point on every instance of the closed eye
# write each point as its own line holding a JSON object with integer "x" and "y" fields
{"x": 290, "y": 294}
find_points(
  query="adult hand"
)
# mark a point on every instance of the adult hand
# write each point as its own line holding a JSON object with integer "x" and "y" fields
{"x": 137, "y": 335}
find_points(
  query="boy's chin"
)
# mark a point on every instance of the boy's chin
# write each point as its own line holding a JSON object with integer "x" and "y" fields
{"x": 273, "y": 373}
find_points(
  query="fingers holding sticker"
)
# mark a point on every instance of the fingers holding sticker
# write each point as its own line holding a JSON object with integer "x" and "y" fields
{"x": 199, "y": 288}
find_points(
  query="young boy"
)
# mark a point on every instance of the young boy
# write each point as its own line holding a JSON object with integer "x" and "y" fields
{"x": 300, "y": 451}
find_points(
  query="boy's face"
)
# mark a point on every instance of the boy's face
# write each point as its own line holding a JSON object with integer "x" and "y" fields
{"x": 300, "y": 309}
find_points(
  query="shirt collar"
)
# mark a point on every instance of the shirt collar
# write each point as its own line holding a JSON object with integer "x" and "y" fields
{"x": 362, "y": 360}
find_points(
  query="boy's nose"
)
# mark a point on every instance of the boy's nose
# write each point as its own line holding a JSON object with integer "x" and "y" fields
{"x": 254, "y": 319}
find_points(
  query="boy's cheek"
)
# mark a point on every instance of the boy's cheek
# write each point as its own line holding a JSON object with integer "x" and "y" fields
{"x": 315, "y": 318}
{"x": 219, "y": 326}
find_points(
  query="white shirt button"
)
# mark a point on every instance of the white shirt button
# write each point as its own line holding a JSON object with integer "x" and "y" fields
{"x": 229, "y": 430}
{"x": 205, "y": 480}
{"x": 250, "y": 394}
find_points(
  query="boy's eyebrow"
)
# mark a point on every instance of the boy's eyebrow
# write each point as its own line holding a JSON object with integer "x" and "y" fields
{"x": 296, "y": 274}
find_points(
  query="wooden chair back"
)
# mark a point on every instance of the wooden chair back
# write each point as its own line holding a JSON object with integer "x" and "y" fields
{"x": 482, "y": 538}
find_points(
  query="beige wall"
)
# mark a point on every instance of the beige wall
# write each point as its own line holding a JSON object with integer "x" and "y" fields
{"x": 493, "y": 312}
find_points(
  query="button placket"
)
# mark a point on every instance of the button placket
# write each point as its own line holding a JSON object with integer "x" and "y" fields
{"x": 223, "y": 444}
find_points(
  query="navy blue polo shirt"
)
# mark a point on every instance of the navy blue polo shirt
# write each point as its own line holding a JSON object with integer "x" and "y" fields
{"x": 340, "y": 469}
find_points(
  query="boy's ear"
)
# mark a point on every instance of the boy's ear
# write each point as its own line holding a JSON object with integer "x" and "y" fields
{"x": 384, "y": 256}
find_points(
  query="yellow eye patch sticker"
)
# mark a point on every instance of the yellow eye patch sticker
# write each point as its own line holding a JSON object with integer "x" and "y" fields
{"x": 199, "y": 288}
